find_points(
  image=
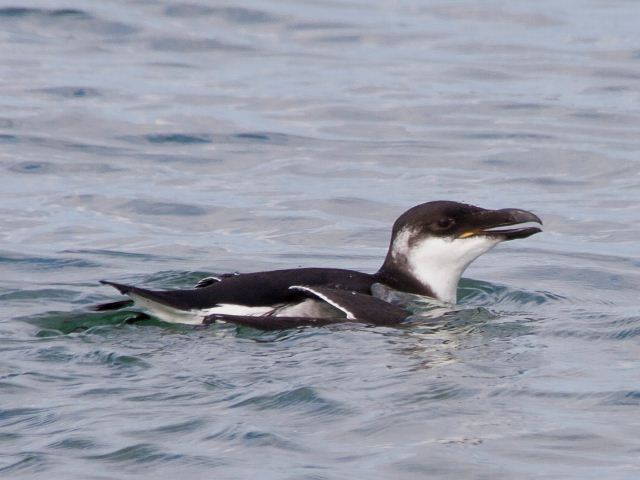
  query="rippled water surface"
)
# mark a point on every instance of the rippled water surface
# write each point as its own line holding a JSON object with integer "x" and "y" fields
{"x": 159, "y": 141}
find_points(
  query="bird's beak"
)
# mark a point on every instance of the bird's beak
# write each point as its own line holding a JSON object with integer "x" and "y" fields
{"x": 496, "y": 223}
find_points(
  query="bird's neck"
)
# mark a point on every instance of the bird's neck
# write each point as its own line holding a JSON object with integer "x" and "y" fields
{"x": 400, "y": 279}
{"x": 429, "y": 266}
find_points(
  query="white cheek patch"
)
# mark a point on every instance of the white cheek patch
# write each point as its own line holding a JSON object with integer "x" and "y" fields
{"x": 439, "y": 262}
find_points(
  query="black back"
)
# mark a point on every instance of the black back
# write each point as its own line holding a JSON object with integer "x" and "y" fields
{"x": 257, "y": 289}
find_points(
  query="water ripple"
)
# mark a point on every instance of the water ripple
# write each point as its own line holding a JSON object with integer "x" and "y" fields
{"x": 180, "y": 138}
{"x": 623, "y": 398}
{"x": 33, "y": 262}
{"x": 49, "y": 168}
{"x": 437, "y": 392}
{"x": 68, "y": 18}
{"x": 476, "y": 292}
{"x": 139, "y": 453}
{"x": 70, "y": 322}
{"x": 147, "y": 207}
{"x": 40, "y": 12}
{"x": 116, "y": 360}
{"x": 142, "y": 455}
{"x": 256, "y": 438}
{"x": 178, "y": 44}
{"x": 28, "y": 463}
{"x": 604, "y": 333}
{"x": 160, "y": 141}
{"x": 74, "y": 443}
{"x": 238, "y": 15}
{"x": 28, "y": 417}
{"x": 306, "y": 399}
{"x": 186, "y": 426}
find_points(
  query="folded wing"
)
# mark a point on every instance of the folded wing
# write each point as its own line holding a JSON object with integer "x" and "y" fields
{"x": 357, "y": 307}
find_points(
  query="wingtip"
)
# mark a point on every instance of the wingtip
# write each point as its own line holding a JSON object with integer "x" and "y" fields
{"x": 118, "y": 286}
{"x": 104, "y": 307}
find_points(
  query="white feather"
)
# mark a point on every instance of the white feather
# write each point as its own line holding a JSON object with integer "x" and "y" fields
{"x": 332, "y": 303}
{"x": 309, "y": 308}
{"x": 166, "y": 313}
{"x": 438, "y": 262}
{"x": 195, "y": 317}
{"x": 234, "y": 309}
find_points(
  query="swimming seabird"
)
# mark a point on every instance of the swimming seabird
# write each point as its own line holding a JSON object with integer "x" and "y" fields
{"x": 431, "y": 246}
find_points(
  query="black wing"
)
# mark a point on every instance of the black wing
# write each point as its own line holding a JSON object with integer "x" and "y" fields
{"x": 203, "y": 282}
{"x": 357, "y": 307}
{"x": 103, "y": 307}
{"x": 206, "y": 281}
{"x": 255, "y": 289}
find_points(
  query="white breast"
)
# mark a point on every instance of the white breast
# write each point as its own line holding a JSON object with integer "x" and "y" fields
{"x": 438, "y": 262}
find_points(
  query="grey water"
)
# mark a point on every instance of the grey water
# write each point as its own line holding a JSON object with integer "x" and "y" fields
{"x": 156, "y": 142}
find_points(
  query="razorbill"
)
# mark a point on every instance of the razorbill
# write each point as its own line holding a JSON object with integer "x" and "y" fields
{"x": 431, "y": 246}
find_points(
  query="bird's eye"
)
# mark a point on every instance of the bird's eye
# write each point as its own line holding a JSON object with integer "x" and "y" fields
{"x": 445, "y": 223}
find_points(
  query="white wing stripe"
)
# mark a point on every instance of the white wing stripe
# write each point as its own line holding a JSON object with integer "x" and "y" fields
{"x": 349, "y": 314}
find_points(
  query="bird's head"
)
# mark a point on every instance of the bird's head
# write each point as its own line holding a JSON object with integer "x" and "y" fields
{"x": 433, "y": 243}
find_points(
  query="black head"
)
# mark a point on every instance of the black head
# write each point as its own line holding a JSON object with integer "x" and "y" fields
{"x": 459, "y": 220}
{"x": 433, "y": 243}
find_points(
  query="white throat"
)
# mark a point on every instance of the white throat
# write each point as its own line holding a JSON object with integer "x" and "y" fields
{"x": 438, "y": 263}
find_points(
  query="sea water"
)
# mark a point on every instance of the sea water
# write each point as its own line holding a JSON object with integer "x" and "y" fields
{"x": 156, "y": 142}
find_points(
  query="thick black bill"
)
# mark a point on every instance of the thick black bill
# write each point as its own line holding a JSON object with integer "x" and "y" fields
{"x": 495, "y": 223}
